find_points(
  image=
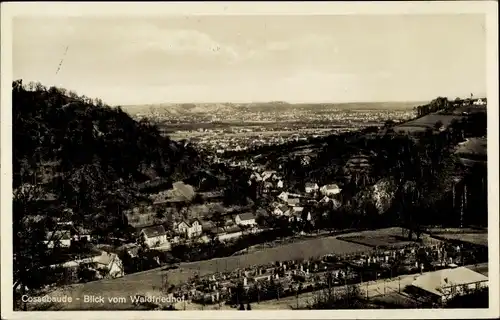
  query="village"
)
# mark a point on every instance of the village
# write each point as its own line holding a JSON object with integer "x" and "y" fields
{"x": 193, "y": 223}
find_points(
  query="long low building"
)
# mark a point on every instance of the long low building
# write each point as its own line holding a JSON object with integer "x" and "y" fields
{"x": 440, "y": 286}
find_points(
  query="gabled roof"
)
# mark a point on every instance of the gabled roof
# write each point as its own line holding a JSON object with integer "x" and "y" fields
{"x": 283, "y": 208}
{"x": 247, "y": 216}
{"x": 331, "y": 187}
{"x": 154, "y": 231}
{"x": 310, "y": 184}
{"x": 293, "y": 201}
{"x": 435, "y": 282}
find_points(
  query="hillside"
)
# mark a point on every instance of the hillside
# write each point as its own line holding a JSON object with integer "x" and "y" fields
{"x": 52, "y": 127}
{"x": 76, "y": 159}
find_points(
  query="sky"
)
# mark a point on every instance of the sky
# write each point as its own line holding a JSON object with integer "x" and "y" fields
{"x": 328, "y": 58}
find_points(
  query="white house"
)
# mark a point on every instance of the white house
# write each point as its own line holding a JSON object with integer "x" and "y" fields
{"x": 245, "y": 219}
{"x": 98, "y": 260}
{"x": 444, "y": 284}
{"x": 80, "y": 233}
{"x": 479, "y": 102}
{"x": 111, "y": 262}
{"x": 297, "y": 209}
{"x": 283, "y": 196}
{"x": 154, "y": 236}
{"x": 330, "y": 190}
{"x": 192, "y": 228}
{"x": 61, "y": 237}
{"x": 279, "y": 185}
{"x": 311, "y": 187}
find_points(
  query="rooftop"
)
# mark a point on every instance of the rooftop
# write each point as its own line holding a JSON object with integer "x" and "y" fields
{"x": 154, "y": 231}
{"x": 436, "y": 281}
{"x": 105, "y": 258}
{"x": 247, "y": 216}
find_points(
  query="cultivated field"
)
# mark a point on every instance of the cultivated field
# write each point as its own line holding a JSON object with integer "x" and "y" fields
{"x": 428, "y": 121}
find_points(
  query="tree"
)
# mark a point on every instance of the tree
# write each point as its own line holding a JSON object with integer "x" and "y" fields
{"x": 218, "y": 220}
{"x": 438, "y": 125}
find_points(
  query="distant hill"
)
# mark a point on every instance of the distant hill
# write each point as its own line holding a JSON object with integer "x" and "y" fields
{"x": 273, "y": 106}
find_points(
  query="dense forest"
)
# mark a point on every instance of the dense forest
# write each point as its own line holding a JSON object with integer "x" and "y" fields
{"x": 80, "y": 160}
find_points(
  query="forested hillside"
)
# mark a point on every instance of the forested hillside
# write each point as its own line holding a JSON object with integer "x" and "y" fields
{"x": 78, "y": 157}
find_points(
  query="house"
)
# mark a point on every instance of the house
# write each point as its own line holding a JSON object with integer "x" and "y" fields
{"x": 230, "y": 232}
{"x": 61, "y": 237}
{"x": 283, "y": 196}
{"x": 325, "y": 199}
{"x": 297, "y": 209}
{"x": 330, "y": 190}
{"x": 282, "y": 210}
{"x": 154, "y": 236}
{"x": 293, "y": 202}
{"x": 111, "y": 263}
{"x": 444, "y": 284}
{"x": 190, "y": 229}
{"x": 97, "y": 260}
{"x": 279, "y": 185}
{"x": 479, "y": 102}
{"x": 256, "y": 176}
{"x": 268, "y": 175}
{"x": 81, "y": 234}
{"x": 245, "y": 219}
{"x": 311, "y": 187}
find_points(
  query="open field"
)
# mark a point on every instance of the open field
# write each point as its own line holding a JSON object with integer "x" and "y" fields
{"x": 389, "y": 237}
{"x": 379, "y": 241}
{"x": 428, "y": 121}
{"x": 477, "y": 236}
{"x": 474, "y": 238}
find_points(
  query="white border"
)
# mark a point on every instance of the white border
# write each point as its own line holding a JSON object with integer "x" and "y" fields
{"x": 9, "y": 10}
